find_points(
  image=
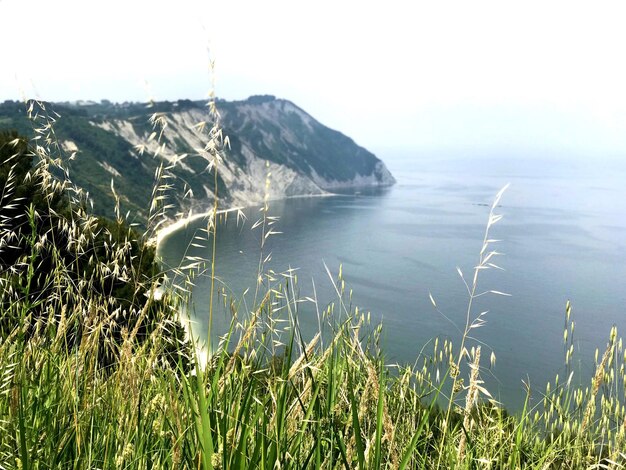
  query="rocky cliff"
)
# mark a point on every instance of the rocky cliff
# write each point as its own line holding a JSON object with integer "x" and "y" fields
{"x": 268, "y": 136}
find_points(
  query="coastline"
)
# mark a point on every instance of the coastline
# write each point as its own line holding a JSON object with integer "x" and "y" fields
{"x": 181, "y": 223}
{"x": 187, "y": 320}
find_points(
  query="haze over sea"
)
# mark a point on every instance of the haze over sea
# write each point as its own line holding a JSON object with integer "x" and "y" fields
{"x": 563, "y": 236}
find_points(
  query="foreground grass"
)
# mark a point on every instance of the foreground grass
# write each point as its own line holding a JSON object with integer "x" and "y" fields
{"x": 328, "y": 403}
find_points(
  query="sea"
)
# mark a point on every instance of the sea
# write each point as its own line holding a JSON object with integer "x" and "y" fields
{"x": 407, "y": 252}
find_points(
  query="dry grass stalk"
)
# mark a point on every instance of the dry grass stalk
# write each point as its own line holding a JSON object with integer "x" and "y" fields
{"x": 597, "y": 381}
{"x": 305, "y": 356}
{"x": 470, "y": 402}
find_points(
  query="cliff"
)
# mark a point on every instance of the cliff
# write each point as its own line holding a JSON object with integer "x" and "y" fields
{"x": 267, "y": 136}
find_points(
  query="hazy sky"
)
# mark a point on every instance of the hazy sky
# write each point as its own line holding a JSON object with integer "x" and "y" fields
{"x": 530, "y": 77}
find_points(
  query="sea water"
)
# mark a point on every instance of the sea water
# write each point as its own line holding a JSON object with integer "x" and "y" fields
{"x": 563, "y": 237}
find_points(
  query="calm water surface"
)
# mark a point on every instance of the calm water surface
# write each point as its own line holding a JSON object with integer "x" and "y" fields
{"x": 563, "y": 235}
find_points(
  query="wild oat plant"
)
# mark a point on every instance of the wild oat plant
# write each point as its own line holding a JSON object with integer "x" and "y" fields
{"x": 96, "y": 371}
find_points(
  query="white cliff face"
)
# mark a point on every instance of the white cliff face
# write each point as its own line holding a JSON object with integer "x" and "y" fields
{"x": 248, "y": 184}
{"x": 142, "y": 144}
{"x": 251, "y": 172}
{"x": 380, "y": 177}
{"x": 262, "y": 177}
{"x": 69, "y": 146}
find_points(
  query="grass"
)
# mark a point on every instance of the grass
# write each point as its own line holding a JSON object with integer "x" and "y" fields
{"x": 264, "y": 397}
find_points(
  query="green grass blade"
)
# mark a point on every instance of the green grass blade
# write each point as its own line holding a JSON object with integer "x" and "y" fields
{"x": 379, "y": 416}
{"x": 360, "y": 448}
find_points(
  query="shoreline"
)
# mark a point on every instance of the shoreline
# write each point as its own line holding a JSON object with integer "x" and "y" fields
{"x": 181, "y": 223}
{"x": 185, "y": 318}
{"x": 178, "y": 224}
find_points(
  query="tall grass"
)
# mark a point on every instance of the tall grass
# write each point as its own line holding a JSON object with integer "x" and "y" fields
{"x": 263, "y": 397}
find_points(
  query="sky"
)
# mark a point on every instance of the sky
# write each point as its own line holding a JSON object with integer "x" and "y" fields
{"x": 419, "y": 77}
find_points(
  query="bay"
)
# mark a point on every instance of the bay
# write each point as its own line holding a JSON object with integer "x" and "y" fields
{"x": 562, "y": 235}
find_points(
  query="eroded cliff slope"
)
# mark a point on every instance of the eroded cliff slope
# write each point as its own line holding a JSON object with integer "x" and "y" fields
{"x": 268, "y": 136}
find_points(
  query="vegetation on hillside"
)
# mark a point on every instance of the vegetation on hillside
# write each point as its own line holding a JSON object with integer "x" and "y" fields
{"x": 55, "y": 258}
{"x": 95, "y": 156}
{"x": 93, "y": 373}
